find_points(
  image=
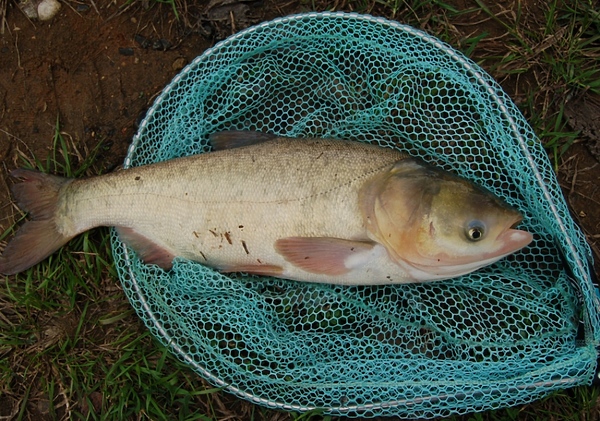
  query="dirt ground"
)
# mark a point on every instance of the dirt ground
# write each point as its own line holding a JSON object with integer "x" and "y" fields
{"x": 96, "y": 67}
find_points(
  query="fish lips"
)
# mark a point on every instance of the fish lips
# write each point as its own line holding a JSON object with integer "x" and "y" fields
{"x": 512, "y": 240}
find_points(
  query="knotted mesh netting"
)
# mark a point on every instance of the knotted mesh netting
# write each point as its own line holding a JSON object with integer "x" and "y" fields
{"x": 504, "y": 335}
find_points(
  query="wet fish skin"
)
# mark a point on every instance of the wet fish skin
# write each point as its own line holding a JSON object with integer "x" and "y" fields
{"x": 282, "y": 207}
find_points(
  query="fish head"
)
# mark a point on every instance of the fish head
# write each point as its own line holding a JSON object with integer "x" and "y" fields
{"x": 437, "y": 225}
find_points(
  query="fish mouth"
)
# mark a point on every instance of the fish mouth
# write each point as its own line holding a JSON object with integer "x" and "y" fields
{"x": 512, "y": 240}
{"x": 517, "y": 220}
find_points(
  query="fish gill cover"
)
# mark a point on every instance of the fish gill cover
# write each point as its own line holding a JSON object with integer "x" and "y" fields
{"x": 506, "y": 334}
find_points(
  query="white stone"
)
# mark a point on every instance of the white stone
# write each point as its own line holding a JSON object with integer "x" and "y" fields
{"x": 47, "y": 9}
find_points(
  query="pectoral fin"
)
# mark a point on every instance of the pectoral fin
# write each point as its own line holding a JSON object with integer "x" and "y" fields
{"x": 148, "y": 251}
{"x": 324, "y": 255}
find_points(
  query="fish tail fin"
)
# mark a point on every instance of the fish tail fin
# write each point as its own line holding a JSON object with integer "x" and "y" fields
{"x": 37, "y": 193}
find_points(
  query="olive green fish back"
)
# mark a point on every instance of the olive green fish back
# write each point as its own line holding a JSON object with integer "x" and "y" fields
{"x": 506, "y": 334}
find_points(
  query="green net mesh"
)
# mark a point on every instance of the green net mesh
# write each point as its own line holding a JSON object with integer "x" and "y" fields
{"x": 505, "y": 335}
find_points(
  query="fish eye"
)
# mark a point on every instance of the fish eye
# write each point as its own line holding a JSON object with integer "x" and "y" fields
{"x": 475, "y": 231}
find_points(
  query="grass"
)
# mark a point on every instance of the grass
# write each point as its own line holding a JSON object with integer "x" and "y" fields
{"x": 555, "y": 59}
{"x": 544, "y": 54}
{"x": 71, "y": 346}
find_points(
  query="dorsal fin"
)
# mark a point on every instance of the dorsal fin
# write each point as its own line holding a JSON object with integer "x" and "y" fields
{"x": 238, "y": 138}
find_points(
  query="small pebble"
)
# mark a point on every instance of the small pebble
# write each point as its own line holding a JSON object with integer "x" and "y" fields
{"x": 47, "y": 9}
{"x": 82, "y": 8}
{"x": 43, "y": 406}
{"x": 126, "y": 51}
{"x": 179, "y": 64}
{"x": 28, "y": 8}
{"x": 161, "y": 44}
{"x": 142, "y": 41}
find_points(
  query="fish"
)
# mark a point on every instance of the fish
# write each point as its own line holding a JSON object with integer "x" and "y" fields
{"x": 315, "y": 210}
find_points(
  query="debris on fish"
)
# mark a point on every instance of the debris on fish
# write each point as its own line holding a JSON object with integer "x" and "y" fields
{"x": 314, "y": 210}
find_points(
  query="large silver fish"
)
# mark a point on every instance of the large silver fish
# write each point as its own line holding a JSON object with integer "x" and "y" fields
{"x": 315, "y": 210}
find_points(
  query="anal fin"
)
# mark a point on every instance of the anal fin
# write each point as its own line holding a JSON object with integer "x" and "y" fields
{"x": 148, "y": 251}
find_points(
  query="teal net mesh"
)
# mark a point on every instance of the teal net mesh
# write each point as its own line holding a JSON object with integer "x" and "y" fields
{"x": 506, "y": 334}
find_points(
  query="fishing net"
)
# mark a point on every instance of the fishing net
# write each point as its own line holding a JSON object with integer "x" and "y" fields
{"x": 504, "y": 335}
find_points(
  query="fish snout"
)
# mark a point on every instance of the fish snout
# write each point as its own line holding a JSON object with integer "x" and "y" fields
{"x": 512, "y": 240}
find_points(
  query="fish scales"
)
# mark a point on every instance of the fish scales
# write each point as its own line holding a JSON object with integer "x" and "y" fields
{"x": 315, "y": 210}
{"x": 192, "y": 204}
